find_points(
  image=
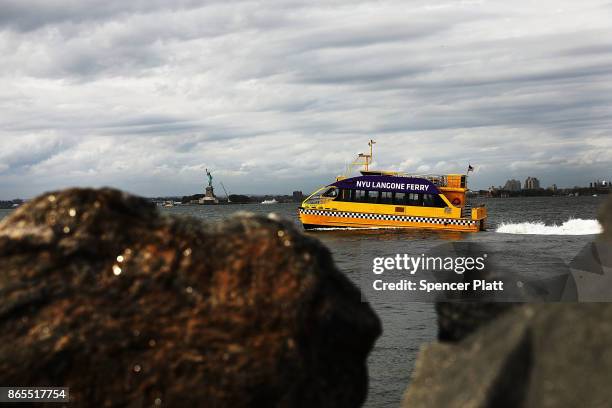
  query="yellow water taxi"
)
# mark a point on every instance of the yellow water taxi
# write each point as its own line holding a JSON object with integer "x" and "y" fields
{"x": 388, "y": 199}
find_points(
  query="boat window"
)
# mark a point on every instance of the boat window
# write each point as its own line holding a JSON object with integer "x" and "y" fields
{"x": 322, "y": 196}
{"x": 340, "y": 195}
{"x": 372, "y": 196}
{"x": 344, "y": 195}
{"x": 399, "y": 198}
{"x": 360, "y": 196}
{"x": 439, "y": 201}
{"x": 414, "y": 199}
{"x": 433, "y": 200}
{"x": 332, "y": 192}
{"x": 385, "y": 197}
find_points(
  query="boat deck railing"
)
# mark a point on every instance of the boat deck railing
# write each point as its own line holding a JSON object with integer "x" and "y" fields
{"x": 444, "y": 180}
{"x": 438, "y": 180}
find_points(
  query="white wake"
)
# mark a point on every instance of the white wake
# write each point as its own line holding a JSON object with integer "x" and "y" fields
{"x": 576, "y": 226}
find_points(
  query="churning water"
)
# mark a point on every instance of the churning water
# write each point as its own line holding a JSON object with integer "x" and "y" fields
{"x": 576, "y": 226}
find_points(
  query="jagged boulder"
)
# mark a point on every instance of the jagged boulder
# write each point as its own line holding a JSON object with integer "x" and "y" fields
{"x": 605, "y": 219}
{"x": 458, "y": 320}
{"x": 545, "y": 356}
{"x": 102, "y": 294}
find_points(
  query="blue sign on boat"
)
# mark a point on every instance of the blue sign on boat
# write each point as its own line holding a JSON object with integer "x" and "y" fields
{"x": 388, "y": 183}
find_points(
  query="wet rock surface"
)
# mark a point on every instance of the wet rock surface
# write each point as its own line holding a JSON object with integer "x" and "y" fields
{"x": 126, "y": 307}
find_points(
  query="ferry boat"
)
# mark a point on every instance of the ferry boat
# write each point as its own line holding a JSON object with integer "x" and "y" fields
{"x": 389, "y": 199}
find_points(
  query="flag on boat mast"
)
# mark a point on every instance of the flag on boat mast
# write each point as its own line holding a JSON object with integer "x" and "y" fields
{"x": 470, "y": 168}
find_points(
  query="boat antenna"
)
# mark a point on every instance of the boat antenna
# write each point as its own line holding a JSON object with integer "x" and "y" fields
{"x": 367, "y": 159}
{"x": 371, "y": 144}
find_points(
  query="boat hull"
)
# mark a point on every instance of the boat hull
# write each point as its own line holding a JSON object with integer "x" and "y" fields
{"x": 318, "y": 218}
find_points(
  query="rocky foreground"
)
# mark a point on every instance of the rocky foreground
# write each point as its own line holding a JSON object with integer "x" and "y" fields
{"x": 128, "y": 308}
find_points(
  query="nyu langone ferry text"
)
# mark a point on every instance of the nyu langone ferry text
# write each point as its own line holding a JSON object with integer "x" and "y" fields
{"x": 390, "y": 199}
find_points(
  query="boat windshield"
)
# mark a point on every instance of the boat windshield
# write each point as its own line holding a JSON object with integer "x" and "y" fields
{"x": 322, "y": 196}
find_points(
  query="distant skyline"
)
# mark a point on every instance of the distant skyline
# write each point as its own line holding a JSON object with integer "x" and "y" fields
{"x": 277, "y": 97}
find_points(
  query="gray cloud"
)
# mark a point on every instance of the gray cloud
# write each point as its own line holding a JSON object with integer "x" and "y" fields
{"x": 34, "y": 14}
{"x": 144, "y": 95}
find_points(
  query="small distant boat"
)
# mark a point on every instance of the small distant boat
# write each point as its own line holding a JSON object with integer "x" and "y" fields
{"x": 594, "y": 195}
{"x": 168, "y": 204}
{"x": 272, "y": 201}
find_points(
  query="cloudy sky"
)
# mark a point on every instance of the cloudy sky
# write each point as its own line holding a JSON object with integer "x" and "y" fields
{"x": 276, "y": 96}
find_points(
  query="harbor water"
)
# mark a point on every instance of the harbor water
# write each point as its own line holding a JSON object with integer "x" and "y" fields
{"x": 533, "y": 230}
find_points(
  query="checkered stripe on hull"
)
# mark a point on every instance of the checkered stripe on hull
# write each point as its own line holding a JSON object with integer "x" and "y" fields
{"x": 388, "y": 217}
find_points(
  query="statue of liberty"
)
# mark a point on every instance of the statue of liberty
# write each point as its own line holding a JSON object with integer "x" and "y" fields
{"x": 209, "y": 196}
{"x": 210, "y": 178}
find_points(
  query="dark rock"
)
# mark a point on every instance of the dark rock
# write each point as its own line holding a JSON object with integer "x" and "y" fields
{"x": 547, "y": 355}
{"x": 605, "y": 218}
{"x": 464, "y": 314}
{"x": 457, "y": 320}
{"x": 126, "y": 307}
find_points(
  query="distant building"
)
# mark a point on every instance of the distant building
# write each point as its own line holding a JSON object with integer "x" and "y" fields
{"x": 600, "y": 184}
{"x": 298, "y": 196}
{"x": 532, "y": 183}
{"x": 512, "y": 185}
